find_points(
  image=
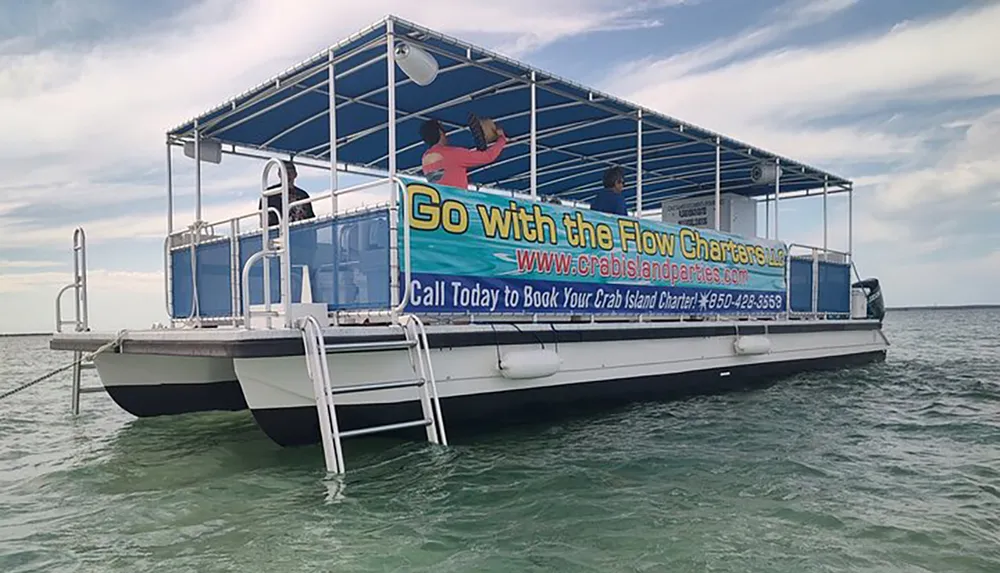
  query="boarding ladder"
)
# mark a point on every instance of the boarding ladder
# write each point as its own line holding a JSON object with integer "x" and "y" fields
{"x": 316, "y": 352}
{"x": 81, "y": 320}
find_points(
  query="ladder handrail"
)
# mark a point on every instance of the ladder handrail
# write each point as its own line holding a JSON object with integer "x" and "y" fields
{"x": 423, "y": 351}
{"x": 316, "y": 367}
{"x": 284, "y": 260}
{"x": 81, "y": 314}
{"x": 245, "y": 280}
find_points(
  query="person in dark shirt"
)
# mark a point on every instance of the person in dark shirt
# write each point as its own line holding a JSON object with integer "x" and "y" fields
{"x": 610, "y": 199}
{"x": 295, "y": 193}
{"x": 302, "y": 240}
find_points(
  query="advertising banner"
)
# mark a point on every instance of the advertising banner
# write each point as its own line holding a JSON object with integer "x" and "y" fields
{"x": 484, "y": 253}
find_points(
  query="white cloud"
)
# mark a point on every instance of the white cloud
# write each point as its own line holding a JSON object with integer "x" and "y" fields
{"x": 766, "y": 98}
{"x": 939, "y": 181}
{"x": 787, "y": 18}
{"x": 113, "y": 103}
{"x": 97, "y": 279}
{"x": 8, "y": 264}
{"x": 117, "y": 299}
{"x": 143, "y": 226}
{"x": 86, "y": 116}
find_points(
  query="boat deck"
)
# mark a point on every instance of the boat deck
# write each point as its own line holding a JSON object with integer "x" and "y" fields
{"x": 243, "y": 343}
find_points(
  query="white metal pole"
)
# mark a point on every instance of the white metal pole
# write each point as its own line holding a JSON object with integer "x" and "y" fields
{"x": 850, "y": 223}
{"x": 170, "y": 190}
{"x": 638, "y": 168}
{"x": 285, "y": 256}
{"x": 393, "y": 202}
{"x": 718, "y": 183}
{"x": 334, "y": 184}
{"x": 534, "y": 138}
{"x": 777, "y": 191}
{"x": 197, "y": 172}
{"x": 333, "y": 137}
{"x": 767, "y": 215}
{"x": 826, "y": 234}
{"x": 391, "y": 80}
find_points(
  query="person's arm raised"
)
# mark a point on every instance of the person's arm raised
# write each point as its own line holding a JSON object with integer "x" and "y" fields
{"x": 475, "y": 158}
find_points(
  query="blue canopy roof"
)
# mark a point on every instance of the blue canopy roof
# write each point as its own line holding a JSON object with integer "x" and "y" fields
{"x": 580, "y": 131}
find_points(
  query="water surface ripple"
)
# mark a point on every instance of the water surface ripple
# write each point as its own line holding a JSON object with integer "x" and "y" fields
{"x": 891, "y": 467}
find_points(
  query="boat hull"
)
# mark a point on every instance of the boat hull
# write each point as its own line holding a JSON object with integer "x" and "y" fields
{"x": 156, "y": 385}
{"x": 593, "y": 376}
{"x": 476, "y": 413}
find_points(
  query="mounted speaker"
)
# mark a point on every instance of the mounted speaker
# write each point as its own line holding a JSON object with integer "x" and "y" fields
{"x": 764, "y": 173}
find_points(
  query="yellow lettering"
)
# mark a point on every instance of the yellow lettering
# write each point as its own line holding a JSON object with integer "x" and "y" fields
{"x": 605, "y": 237}
{"x": 495, "y": 221}
{"x": 455, "y": 218}
{"x": 688, "y": 243}
{"x": 425, "y": 216}
{"x": 427, "y": 213}
{"x": 628, "y": 230}
{"x": 716, "y": 252}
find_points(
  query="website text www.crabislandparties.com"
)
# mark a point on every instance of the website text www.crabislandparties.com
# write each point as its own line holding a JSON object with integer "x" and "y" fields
{"x": 483, "y": 252}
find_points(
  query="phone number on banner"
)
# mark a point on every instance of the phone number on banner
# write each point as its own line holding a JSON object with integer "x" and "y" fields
{"x": 436, "y": 293}
{"x": 743, "y": 301}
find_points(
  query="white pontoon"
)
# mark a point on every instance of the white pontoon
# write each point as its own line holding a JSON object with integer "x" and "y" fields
{"x": 389, "y": 318}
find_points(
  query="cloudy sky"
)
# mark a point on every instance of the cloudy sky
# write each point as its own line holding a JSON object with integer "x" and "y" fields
{"x": 902, "y": 96}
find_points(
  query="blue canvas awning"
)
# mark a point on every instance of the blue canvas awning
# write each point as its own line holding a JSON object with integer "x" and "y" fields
{"x": 580, "y": 131}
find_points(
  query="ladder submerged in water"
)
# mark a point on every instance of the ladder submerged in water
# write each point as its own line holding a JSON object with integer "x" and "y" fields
{"x": 81, "y": 318}
{"x": 316, "y": 352}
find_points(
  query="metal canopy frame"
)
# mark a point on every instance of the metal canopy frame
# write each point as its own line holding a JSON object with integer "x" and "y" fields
{"x": 561, "y": 135}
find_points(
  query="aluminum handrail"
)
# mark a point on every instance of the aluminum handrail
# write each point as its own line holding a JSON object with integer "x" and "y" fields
{"x": 81, "y": 319}
{"x": 816, "y": 248}
{"x": 245, "y": 287}
{"x": 406, "y": 251}
{"x": 816, "y": 252}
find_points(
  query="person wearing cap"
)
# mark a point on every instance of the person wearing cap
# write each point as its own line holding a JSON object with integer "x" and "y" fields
{"x": 448, "y": 164}
{"x": 610, "y": 199}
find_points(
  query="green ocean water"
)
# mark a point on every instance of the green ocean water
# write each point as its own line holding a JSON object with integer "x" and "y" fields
{"x": 889, "y": 468}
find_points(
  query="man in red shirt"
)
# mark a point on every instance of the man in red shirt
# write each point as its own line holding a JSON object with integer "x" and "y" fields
{"x": 446, "y": 164}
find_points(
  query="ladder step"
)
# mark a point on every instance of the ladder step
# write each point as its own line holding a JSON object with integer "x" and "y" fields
{"x": 365, "y": 346}
{"x": 385, "y": 428}
{"x": 87, "y": 366}
{"x": 375, "y": 386}
{"x": 92, "y": 390}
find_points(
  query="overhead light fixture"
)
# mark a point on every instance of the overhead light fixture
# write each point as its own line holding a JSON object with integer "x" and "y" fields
{"x": 417, "y": 64}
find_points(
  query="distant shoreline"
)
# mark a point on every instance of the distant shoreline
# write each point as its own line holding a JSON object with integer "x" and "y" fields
{"x": 24, "y": 334}
{"x": 888, "y": 308}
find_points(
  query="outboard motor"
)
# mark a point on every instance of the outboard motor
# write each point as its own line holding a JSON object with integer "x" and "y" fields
{"x": 876, "y": 306}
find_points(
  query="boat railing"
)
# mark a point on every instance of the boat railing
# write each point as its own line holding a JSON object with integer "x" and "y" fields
{"x": 354, "y": 261}
{"x": 818, "y": 283}
{"x": 211, "y": 257}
